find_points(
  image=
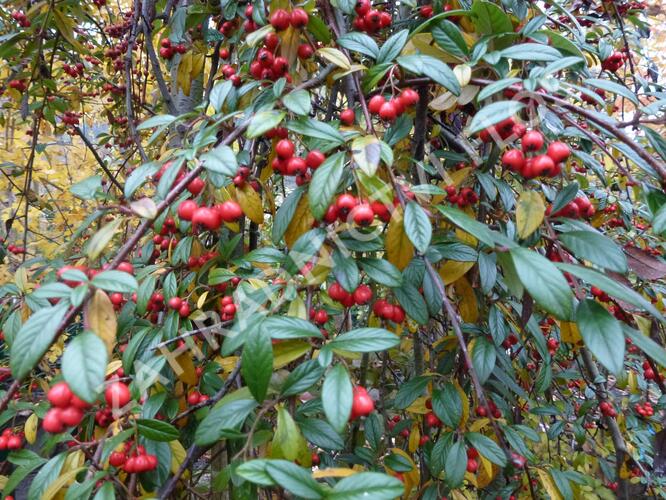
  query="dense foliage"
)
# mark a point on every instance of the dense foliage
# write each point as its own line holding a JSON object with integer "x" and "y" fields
{"x": 331, "y": 250}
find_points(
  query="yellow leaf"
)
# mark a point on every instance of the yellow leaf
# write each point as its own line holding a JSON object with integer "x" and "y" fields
{"x": 423, "y": 43}
{"x": 290, "y": 39}
{"x": 333, "y": 472}
{"x": 469, "y": 309}
{"x": 184, "y": 70}
{"x": 62, "y": 481}
{"x": 399, "y": 250}
{"x": 250, "y": 202}
{"x": 529, "y": 213}
{"x": 453, "y": 270}
{"x": 178, "y": 454}
{"x": 66, "y": 28}
{"x": 3, "y": 482}
{"x": 411, "y": 478}
{"x": 335, "y": 56}
{"x": 463, "y": 74}
{"x": 100, "y": 318}
{"x": 113, "y": 366}
{"x": 486, "y": 472}
{"x": 366, "y": 153}
{"x": 418, "y": 406}
{"x": 459, "y": 176}
{"x": 30, "y": 428}
{"x": 198, "y": 60}
{"x": 187, "y": 372}
{"x": 569, "y": 332}
{"x": 549, "y": 485}
{"x": 202, "y": 300}
{"x": 465, "y": 403}
{"x": 297, "y": 308}
{"x": 96, "y": 245}
{"x": 287, "y": 351}
{"x": 300, "y": 223}
{"x": 414, "y": 438}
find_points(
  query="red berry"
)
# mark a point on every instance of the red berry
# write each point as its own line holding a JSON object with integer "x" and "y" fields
{"x": 362, "y": 404}
{"x": 532, "y": 141}
{"x": 558, "y": 151}
{"x": 321, "y": 317}
{"x": 305, "y": 51}
{"x": 314, "y": 158}
{"x": 207, "y": 217}
{"x": 514, "y": 160}
{"x": 375, "y": 104}
{"x": 229, "y": 211}
{"x": 362, "y": 294}
{"x": 409, "y": 96}
{"x": 117, "y": 459}
{"x": 363, "y": 214}
{"x": 196, "y": 186}
{"x": 387, "y": 111}
{"x": 71, "y": 416}
{"x": 347, "y": 116}
{"x": 60, "y": 395}
{"x": 299, "y": 18}
{"x": 543, "y": 165}
{"x": 117, "y": 395}
{"x": 345, "y": 203}
{"x": 472, "y": 465}
{"x": 175, "y": 303}
{"x": 280, "y": 19}
{"x": 52, "y": 422}
{"x": 285, "y": 149}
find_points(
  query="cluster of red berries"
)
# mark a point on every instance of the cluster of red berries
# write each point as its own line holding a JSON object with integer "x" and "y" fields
{"x": 607, "y": 409}
{"x": 195, "y": 397}
{"x": 71, "y": 118}
{"x": 385, "y": 310}
{"x": 390, "y": 109}
{"x": 539, "y": 165}
{"x": 645, "y": 409}
{"x": 509, "y": 341}
{"x": 241, "y": 177}
{"x": 472, "y": 463}
{"x": 481, "y": 411}
{"x": 209, "y": 217}
{"x": 119, "y": 29}
{"x": 67, "y": 409}
{"x": 19, "y": 85}
{"x": 648, "y": 372}
{"x": 133, "y": 461}
{"x": 362, "y": 403}
{"x": 319, "y": 316}
{"x": 504, "y": 129}
{"x": 179, "y": 305}
{"x": 16, "y": 249}
{"x": 431, "y": 420}
{"x": 577, "y": 208}
{"x": 267, "y": 65}
{"x": 361, "y": 296}
{"x": 74, "y": 71}
{"x": 368, "y": 19}
{"x": 286, "y": 163}
{"x": 227, "y": 308}
{"x": 10, "y": 440}
{"x": 21, "y": 18}
{"x": 599, "y": 294}
{"x": 168, "y": 50}
{"x": 463, "y": 197}
{"x": 614, "y": 61}
{"x": 361, "y": 212}
{"x": 553, "y": 345}
{"x": 125, "y": 267}
{"x": 281, "y": 19}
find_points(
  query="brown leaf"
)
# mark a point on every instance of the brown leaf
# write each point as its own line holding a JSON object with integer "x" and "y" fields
{"x": 644, "y": 265}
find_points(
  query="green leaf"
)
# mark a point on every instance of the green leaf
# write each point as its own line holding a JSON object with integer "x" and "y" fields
{"x": 367, "y": 485}
{"x": 433, "y": 68}
{"x": 324, "y": 184}
{"x": 392, "y": 47}
{"x": 295, "y": 479}
{"x": 46, "y": 476}
{"x": 115, "y": 281}
{"x": 34, "y": 339}
{"x": 596, "y": 248}
{"x": 365, "y": 340}
{"x": 289, "y": 327}
{"x": 493, "y": 113}
{"x": 316, "y": 129}
{"x": 285, "y": 214}
{"x": 614, "y": 88}
{"x": 381, "y": 271}
{"x": 487, "y": 447}
{"x": 531, "y": 52}
{"x": 490, "y": 19}
{"x": 483, "y": 358}
{"x": 298, "y": 102}
{"x": 337, "y": 396}
{"x": 409, "y": 391}
{"x": 302, "y": 378}
{"x": 543, "y": 281}
{"x": 84, "y": 365}
{"x": 346, "y": 271}
{"x": 602, "y": 334}
{"x": 447, "y": 405}
{"x": 257, "y": 362}
{"x": 221, "y": 160}
{"x": 455, "y": 464}
{"x": 321, "y": 434}
{"x": 496, "y": 87}
{"x": 156, "y": 430}
{"x": 96, "y": 245}
{"x": 264, "y": 121}
{"x": 288, "y": 442}
{"x": 219, "y": 94}
{"x": 255, "y": 472}
{"x": 412, "y": 302}
{"x": 659, "y": 221}
{"x": 466, "y": 223}
{"x": 611, "y": 287}
{"x": 418, "y": 226}
{"x": 449, "y": 37}
{"x": 359, "y": 42}
{"x": 567, "y": 194}
{"x": 156, "y": 121}
{"x": 228, "y": 415}
{"x": 87, "y": 188}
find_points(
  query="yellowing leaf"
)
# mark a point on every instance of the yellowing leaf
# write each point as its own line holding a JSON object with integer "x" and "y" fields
{"x": 452, "y": 270}
{"x": 530, "y": 211}
{"x": 333, "y": 472}
{"x": 101, "y": 238}
{"x": 411, "y": 478}
{"x": 187, "y": 372}
{"x": 287, "y": 351}
{"x": 250, "y": 202}
{"x": 66, "y": 28}
{"x": 366, "y": 153}
{"x": 300, "y": 223}
{"x": 113, "y": 366}
{"x": 465, "y": 404}
{"x": 30, "y": 428}
{"x": 178, "y": 454}
{"x": 335, "y": 56}
{"x": 100, "y": 318}
{"x": 414, "y": 438}
{"x": 463, "y": 74}
{"x": 62, "y": 481}
{"x": 469, "y": 309}
{"x": 549, "y": 485}
{"x": 569, "y": 332}
{"x": 399, "y": 250}
{"x": 486, "y": 472}
{"x": 184, "y": 69}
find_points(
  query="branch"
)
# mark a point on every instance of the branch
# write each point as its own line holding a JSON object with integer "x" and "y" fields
{"x": 92, "y": 149}
{"x": 161, "y": 83}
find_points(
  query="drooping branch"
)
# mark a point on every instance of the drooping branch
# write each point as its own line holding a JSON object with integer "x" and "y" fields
{"x": 99, "y": 160}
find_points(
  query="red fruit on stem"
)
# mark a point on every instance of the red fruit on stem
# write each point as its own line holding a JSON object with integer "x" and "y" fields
{"x": 362, "y": 404}
{"x": 558, "y": 151}
{"x": 532, "y": 141}
{"x": 117, "y": 395}
{"x": 60, "y": 395}
{"x": 347, "y": 116}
